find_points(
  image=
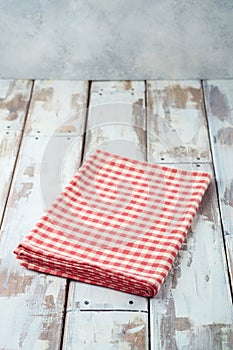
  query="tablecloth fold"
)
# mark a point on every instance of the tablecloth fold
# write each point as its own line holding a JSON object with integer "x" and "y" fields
{"x": 119, "y": 223}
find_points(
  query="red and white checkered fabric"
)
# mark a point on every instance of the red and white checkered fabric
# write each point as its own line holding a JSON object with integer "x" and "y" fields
{"x": 119, "y": 223}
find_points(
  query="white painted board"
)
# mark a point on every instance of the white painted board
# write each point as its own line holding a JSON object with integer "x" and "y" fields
{"x": 32, "y": 304}
{"x": 219, "y": 106}
{"x": 176, "y": 126}
{"x": 116, "y": 123}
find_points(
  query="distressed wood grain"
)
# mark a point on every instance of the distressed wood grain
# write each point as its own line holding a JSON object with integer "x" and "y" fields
{"x": 32, "y": 304}
{"x": 186, "y": 314}
{"x": 98, "y": 330}
{"x": 57, "y": 107}
{"x": 176, "y": 128}
{"x": 116, "y": 123}
{"x": 89, "y": 297}
{"x": 193, "y": 308}
{"x": 14, "y": 99}
{"x": 219, "y": 107}
{"x": 116, "y": 118}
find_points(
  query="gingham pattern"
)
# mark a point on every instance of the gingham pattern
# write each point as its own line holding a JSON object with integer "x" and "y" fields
{"x": 119, "y": 223}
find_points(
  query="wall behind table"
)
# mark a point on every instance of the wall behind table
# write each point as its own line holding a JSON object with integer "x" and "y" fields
{"x": 124, "y": 39}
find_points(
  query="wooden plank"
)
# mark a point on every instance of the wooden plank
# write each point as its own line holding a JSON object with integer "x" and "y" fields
{"x": 14, "y": 98}
{"x": 32, "y": 304}
{"x": 186, "y": 314}
{"x": 177, "y": 131}
{"x": 219, "y": 106}
{"x": 116, "y": 123}
{"x": 59, "y": 115}
{"x": 98, "y": 330}
{"x": 116, "y": 119}
{"x": 89, "y": 297}
{"x": 57, "y": 106}
{"x": 193, "y": 308}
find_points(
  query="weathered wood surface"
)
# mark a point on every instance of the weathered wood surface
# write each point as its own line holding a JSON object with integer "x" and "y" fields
{"x": 186, "y": 314}
{"x": 176, "y": 128}
{"x": 115, "y": 123}
{"x": 193, "y": 309}
{"x": 219, "y": 106}
{"x": 32, "y": 304}
{"x": 116, "y": 119}
{"x": 14, "y": 99}
{"x": 98, "y": 330}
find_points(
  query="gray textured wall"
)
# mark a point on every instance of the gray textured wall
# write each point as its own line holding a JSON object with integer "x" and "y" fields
{"x": 106, "y": 39}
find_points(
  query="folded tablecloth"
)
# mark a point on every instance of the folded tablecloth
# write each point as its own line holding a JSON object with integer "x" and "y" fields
{"x": 119, "y": 223}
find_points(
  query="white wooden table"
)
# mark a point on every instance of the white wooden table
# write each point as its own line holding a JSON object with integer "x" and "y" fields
{"x": 46, "y": 129}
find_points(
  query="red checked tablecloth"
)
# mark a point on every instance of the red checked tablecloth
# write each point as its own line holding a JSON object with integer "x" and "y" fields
{"x": 119, "y": 223}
